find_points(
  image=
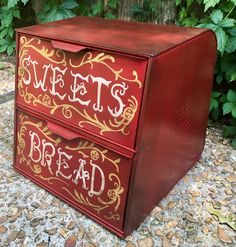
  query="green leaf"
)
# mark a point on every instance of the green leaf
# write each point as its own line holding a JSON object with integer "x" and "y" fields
{"x": 232, "y": 31}
{"x": 11, "y": 3}
{"x": 229, "y": 131}
{"x": 221, "y": 39}
{"x": 227, "y": 108}
{"x": 228, "y": 22}
{"x": 234, "y": 111}
{"x": 214, "y": 104}
{"x": 216, "y": 16}
{"x": 112, "y": 4}
{"x": 233, "y": 1}
{"x": 208, "y": 25}
{"x": 3, "y": 47}
{"x": 16, "y": 13}
{"x": 231, "y": 96}
{"x": 3, "y": 42}
{"x": 177, "y": 2}
{"x": 215, "y": 94}
{"x": 10, "y": 49}
{"x": 210, "y": 3}
{"x": 7, "y": 19}
{"x": 69, "y": 4}
{"x": 231, "y": 45}
{"x": 24, "y": 1}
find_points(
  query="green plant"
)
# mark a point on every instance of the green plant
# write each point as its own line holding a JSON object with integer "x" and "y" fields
{"x": 54, "y": 10}
{"x": 220, "y": 16}
{"x": 8, "y": 11}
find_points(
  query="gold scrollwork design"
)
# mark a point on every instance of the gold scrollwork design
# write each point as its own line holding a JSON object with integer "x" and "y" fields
{"x": 118, "y": 124}
{"x": 102, "y": 58}
{"x": 23, "y": 120}
{"x": 95, "y": 153}
{"x": 113, "y": 195}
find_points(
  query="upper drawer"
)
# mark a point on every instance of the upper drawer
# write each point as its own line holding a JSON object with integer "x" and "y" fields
{"x": 99, "y": 92}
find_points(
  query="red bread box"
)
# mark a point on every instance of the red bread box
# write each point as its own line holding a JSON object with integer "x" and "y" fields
{"x": 111, "y": 114}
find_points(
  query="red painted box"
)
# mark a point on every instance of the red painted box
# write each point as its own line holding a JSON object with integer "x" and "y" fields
{"x": 111, "y": 114}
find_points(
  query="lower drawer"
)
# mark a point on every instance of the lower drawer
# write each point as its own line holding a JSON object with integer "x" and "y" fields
{"x": 87, "y": 176}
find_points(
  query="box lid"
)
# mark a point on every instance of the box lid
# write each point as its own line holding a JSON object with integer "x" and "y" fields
{"x": 134, "y": 38}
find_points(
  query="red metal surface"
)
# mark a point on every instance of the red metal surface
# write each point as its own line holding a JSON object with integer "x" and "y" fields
{"x": 114, "y": 35}
{"x": 140, "y": 137}
{"x": 91, "y": 177}
{"x": 94, "y": 91}
{"x": 173, "y": 122}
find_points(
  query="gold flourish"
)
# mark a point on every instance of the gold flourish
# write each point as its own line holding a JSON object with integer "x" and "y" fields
{"x": 101, "y": 58}
{"x": 50, "y": 179}
{"x": 118, "y": 124}
{"x": 112, "y": 216}
{"x": 85, "y": 145}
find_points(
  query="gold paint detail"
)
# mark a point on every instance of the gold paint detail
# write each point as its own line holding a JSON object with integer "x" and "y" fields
{"x": 95, "y": 153}
{"x": 113, "y": 194}
{"x": 117, "y": 124}
{"x": 102, "y": 58}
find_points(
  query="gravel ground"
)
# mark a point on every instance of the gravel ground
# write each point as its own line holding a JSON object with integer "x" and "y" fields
{"x": 199, "y": 211}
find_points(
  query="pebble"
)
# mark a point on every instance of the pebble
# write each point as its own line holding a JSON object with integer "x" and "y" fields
{"x": 13, "y": 211}
{"x": 231, "y": 178}
{"x": 195, "y": 193}
{"x": 51, "y": 232}
{"x": 165, "y": 242}
{"x": 129, "y": 244}
{"x": 190, "y": 218}
{"x": 71, "y": 225}
{"x": 224, "y": 237}
{"x": 3, "y": 229}
{"x": 34, "y": 222}
{"x": 171, "y": 204}
{"x": 12, "y": 236}
{"x": 70, "y": 241}
{"x": 34, "y": 204}
{"x": 146, "y": 242}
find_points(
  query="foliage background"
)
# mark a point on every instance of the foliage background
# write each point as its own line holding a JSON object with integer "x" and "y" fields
{"x": 218, "y": 15}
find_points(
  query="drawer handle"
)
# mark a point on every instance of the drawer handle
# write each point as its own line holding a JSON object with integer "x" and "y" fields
{"x": 66, "y": 46}
{"x": 63, "y": 132}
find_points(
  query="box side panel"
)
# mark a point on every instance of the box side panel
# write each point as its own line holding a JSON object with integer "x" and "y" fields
{"x": 173, "y": 122}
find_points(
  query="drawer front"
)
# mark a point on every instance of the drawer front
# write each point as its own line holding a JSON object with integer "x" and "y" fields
{"x": 89, "y": 177}
{"x": 96, "y": 91}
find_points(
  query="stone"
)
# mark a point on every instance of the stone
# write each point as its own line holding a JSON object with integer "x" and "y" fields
{"x": 35, "y": 204}
{"x": 169, "y": 235}
{"x": 159, "y": 232}
{"x": 21, "y": 234}
{"x": 216, "y": 205}
{"x": 189, "y": 218}
{"x": 195, "y": 193}
{"x": 3, "y": 219}
{"x": 3, "y": 229}
{"x": 51, "y": 232}
{"x": 231, "y": 178}
{"x": 63, "y": 232}
{"x": 13, "y": 211}
{"x": 172, "y": 223}
{"x": 42, "y": 244}
{"x": 171, "y": 204}
{"x": 34, "y": 222}
{"x": 71, "y": 225}
{"x": 129, "y": 244}
{"x": 71, "y": 241}
{"x": 224, "y": 237}
{"x": 146, "y": 242}
{"x": 12, "y": 236}
{"x": 165, "y": 242}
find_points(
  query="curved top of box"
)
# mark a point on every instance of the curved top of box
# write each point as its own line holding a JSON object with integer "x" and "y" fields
{"x": 140, "y": 39}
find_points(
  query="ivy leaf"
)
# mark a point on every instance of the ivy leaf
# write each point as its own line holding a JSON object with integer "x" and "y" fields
{"x": 69, "y": 4}
{"x": 231, "y": 96}
{"x": 11, "y": 3}
{"x": 214, "y": 104}
{"x": 227, "y": 108}
{"x": 216, "y": 16}
{"x": 208, "y": 25}
{"x": 233, "y": 112}
{"x": 177, "y": 2}
{"x": 210, "y": 3}
{"x": 233, "y": 1}
{"x": 228, "y": 22}
{"x": 231, "y": 45}
{"x": 24, "y": 1}
{"x": 222, "y": 39}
